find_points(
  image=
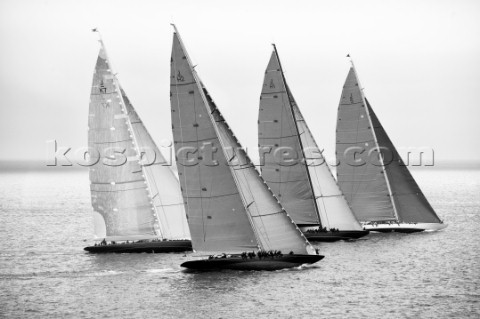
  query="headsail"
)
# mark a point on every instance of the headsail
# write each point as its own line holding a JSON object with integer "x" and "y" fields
{"x": 411, "y": 204}
{"x": 164, "y": 186}
{"x": 229, "y": 206}
{"x": 125, "y": 203}
{"x": 282, "y": 125}
{"x": 377, "y": 187}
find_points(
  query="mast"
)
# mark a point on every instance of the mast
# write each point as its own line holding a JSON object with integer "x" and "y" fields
{"x": 270, "y": 224}
{"x": 132, "y": 134}
{"x": 298, "y": 135}
{"x": 375, "y": 139}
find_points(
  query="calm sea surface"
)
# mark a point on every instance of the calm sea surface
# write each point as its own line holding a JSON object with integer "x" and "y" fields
{"x": 44, "y": 272}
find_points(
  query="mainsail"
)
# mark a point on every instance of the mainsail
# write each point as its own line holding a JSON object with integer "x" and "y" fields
{"x": 304, "y": 185}
{"x": 133, "y": 195}
{"x": 371, "y": 173}
{"x": 229, "y": 206}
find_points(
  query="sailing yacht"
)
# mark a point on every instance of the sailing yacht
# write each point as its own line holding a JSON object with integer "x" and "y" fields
{"x": 229, "y": 207}
{"x": 378, "y": 185}
{"x": 304, "y": 183}
{"x": 136, "y": 199}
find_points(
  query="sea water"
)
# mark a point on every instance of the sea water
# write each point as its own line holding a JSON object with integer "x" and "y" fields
{"x": 46, "y": 221}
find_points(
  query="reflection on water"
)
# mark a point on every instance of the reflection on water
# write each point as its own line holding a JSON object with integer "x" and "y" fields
{"x": 46, "y": 219}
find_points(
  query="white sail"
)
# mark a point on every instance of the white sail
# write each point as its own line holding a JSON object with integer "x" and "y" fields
{"x": 122, "y": 208}
{"x": 278, "y": 110}
{"x": 281, "y": 151}
{"x": 125, "y": 200}
{"x": 381, "y": 188}
{"x": 214, "y": 208}
{"x": 332, "y": 206}
{"x": 234, "y": 179}
{"x": 411, "y": 204}
{"x": 360, "y": 173}
{"x": 164, "y": 187}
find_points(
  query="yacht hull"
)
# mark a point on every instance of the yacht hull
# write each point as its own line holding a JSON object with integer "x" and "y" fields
{"x": 266, "y": 263}
{"x": 405, "y": 227}
{"x": 167, "y": 246}
{"x": 335, "y": 236}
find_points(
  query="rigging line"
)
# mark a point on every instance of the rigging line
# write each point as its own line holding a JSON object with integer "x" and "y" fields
{"x": 114, "y": 191}
{"x": 269, "y": 214}
{"x": 196, "y": 141}
{"x": 183, "y": 84}
{"x": 172, "y": 205}
{"x": 108, "y": 142}
{"x": 146, "y": 223}
{"x": 281, "y": 137}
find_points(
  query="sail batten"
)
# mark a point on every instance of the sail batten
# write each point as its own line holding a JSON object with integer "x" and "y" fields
{"x": 257, "y": 218}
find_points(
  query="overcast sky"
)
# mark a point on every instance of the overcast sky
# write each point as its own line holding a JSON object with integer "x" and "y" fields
{"x": 419, "y": 62}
